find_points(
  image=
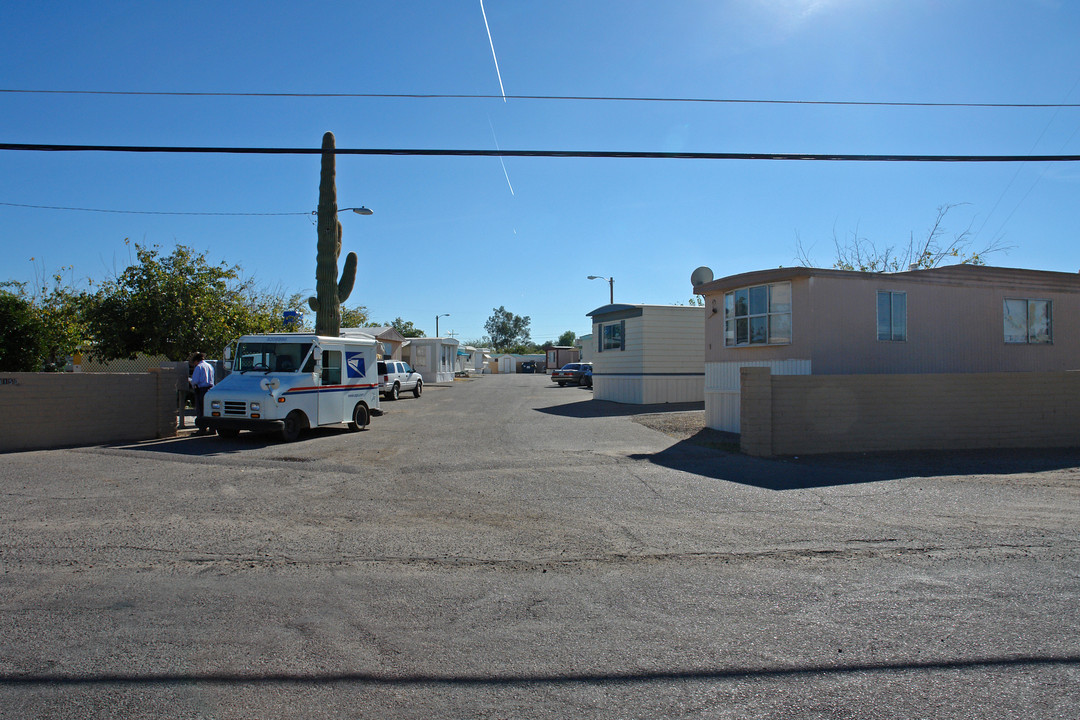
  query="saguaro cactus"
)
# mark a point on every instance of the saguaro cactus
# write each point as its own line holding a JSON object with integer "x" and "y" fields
{"x": 330, "y": 293}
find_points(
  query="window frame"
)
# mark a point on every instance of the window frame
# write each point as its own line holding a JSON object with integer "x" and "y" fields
{"x": 331, "y": 367}
{"x": 1028, "y": 338}
{"x": 605, "y": 337}
{"x": 893, "y": 294}
{"x": 753, "y": 312}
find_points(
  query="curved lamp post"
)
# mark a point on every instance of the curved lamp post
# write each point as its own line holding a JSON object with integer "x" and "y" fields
{"x": 611, "y": 286}
{"x": 437, "y": 322}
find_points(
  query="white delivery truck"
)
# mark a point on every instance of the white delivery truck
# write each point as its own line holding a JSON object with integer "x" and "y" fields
{"x": 289, "y": 382}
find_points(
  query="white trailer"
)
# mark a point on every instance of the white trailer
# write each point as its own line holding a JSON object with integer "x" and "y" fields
{"x": 289, "y": 382}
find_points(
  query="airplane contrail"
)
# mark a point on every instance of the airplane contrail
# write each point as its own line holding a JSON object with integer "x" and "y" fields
{"x": 492, "y": 43}
{"x": 501, "y": 162}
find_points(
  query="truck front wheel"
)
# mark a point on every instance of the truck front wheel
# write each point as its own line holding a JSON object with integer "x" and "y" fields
{"x": 360, "y": 417}
{"x": 294, "y": 424}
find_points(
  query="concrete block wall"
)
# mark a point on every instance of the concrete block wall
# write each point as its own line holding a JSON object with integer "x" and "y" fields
{"x": 48, "y": 410}
{"x": 807, "y": 414}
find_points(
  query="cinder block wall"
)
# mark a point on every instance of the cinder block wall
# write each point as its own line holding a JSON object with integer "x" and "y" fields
{"x": 806, "y": 414}
{"x": 47, "y": 410}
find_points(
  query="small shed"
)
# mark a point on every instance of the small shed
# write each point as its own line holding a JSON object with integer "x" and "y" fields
{"x": 560, "y": 355}
{"x": 507, "y": 363}
{"x": 434, "y": 358}
{"x": 648, "y": 354}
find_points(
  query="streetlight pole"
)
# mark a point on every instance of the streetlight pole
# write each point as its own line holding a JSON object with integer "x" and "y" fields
{"x": 611, "y": 286}
{"x": 437, "y": 322}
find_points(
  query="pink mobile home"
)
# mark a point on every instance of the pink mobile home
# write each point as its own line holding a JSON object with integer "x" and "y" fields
{"x": 954, "y": 319}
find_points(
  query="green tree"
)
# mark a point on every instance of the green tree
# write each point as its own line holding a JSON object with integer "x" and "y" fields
{"x": 355, "y": 317}
{"x": 21, "y": 341}
{"x": 177, "y": 304}
{"x": 523, "y": 348}
{"x": 567, "y": 338}
{"x": 507, "y": 329}
{"x": 406, "y": 328}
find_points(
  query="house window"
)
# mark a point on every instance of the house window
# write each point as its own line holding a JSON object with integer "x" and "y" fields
{"x": 1028, "y": 321}
{"x": 891, "y": 315}
{"x": 613, "y": 336}
{"x": 758, "y": 315}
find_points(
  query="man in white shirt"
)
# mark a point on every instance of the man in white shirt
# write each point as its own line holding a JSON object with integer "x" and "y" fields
{"x": 202, "y": 379}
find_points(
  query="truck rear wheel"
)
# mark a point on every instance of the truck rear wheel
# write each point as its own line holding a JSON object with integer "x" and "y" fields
{"x": 360, "y": 417}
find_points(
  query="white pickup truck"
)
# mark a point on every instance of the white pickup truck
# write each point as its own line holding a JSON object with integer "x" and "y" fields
{"x": 289, "y": 382}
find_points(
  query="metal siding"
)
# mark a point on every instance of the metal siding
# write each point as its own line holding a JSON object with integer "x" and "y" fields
{"x": 722, "y": 396}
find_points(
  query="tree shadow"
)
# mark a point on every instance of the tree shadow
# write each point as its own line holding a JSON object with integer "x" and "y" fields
{"x": 716, "y": 455}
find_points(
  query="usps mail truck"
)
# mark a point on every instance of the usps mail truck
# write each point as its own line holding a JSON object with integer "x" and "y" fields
{"x": 289, "y": 382}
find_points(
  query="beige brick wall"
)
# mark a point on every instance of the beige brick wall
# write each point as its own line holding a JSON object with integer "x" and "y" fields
{"x": 46, "y": 410}
{"x": 856, "y": 413}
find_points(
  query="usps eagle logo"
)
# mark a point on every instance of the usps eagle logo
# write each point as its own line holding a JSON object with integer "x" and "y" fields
{"x": 357, "y": 368}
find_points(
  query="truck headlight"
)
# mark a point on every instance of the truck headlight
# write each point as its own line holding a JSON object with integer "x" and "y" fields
{"x": 215, "y": 404}
{"x": 255, "y": 407}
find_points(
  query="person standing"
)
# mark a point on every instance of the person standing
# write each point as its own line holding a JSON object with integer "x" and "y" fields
{"x": 202, "y": 379}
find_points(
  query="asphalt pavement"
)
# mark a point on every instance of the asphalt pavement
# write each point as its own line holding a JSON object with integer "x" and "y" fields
{"x": 501, "y": 547}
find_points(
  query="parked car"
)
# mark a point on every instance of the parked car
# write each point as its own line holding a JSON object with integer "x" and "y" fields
{"x": 396, "y": 376}
{"x": 529, "y": 366}
{"x": 570, "y": 373}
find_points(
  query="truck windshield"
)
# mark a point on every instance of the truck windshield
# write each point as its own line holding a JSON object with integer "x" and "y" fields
{"x": 270, "y": 357}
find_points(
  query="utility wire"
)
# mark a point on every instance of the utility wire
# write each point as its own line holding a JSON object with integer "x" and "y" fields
{"x": 606, "y": 154}
{"x": 145, "y": 212}
{"x": 590, "y": 98}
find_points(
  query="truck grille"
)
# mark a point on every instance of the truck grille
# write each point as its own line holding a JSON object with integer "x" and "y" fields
{"x": 232, "y": 407}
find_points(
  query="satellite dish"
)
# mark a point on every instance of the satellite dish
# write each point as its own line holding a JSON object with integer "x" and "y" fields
{"x": 701, "y": 276}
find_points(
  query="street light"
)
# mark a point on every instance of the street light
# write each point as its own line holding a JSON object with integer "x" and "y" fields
{"x": 437, "y": 322}
{"x": 359, "y": 211}
{"x": 611, "y": 285}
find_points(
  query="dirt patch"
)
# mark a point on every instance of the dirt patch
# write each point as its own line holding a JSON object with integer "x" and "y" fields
{"x": 689, "y": 426}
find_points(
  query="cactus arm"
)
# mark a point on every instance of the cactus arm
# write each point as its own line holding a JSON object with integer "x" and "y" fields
{"x": 313, "y": 303}
{"x": 348, "y": 277}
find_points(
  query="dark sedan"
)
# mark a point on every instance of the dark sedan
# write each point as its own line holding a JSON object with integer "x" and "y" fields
{"x": 570, "y": 373}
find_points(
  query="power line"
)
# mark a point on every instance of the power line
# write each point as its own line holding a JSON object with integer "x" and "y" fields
{"x": 579, "y": 98}
{"x": 146, "y": 212}
{"x": 593, "y": 154}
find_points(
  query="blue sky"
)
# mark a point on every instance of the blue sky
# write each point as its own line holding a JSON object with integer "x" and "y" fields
{"x": 449, "y": 235}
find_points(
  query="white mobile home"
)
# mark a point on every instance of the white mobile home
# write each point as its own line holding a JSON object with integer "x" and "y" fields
{"x": 434, "y": 358}
{"x": 646, "y": 354}
{"x": 586, "y": 347}
{"x": 473, "y": 360}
